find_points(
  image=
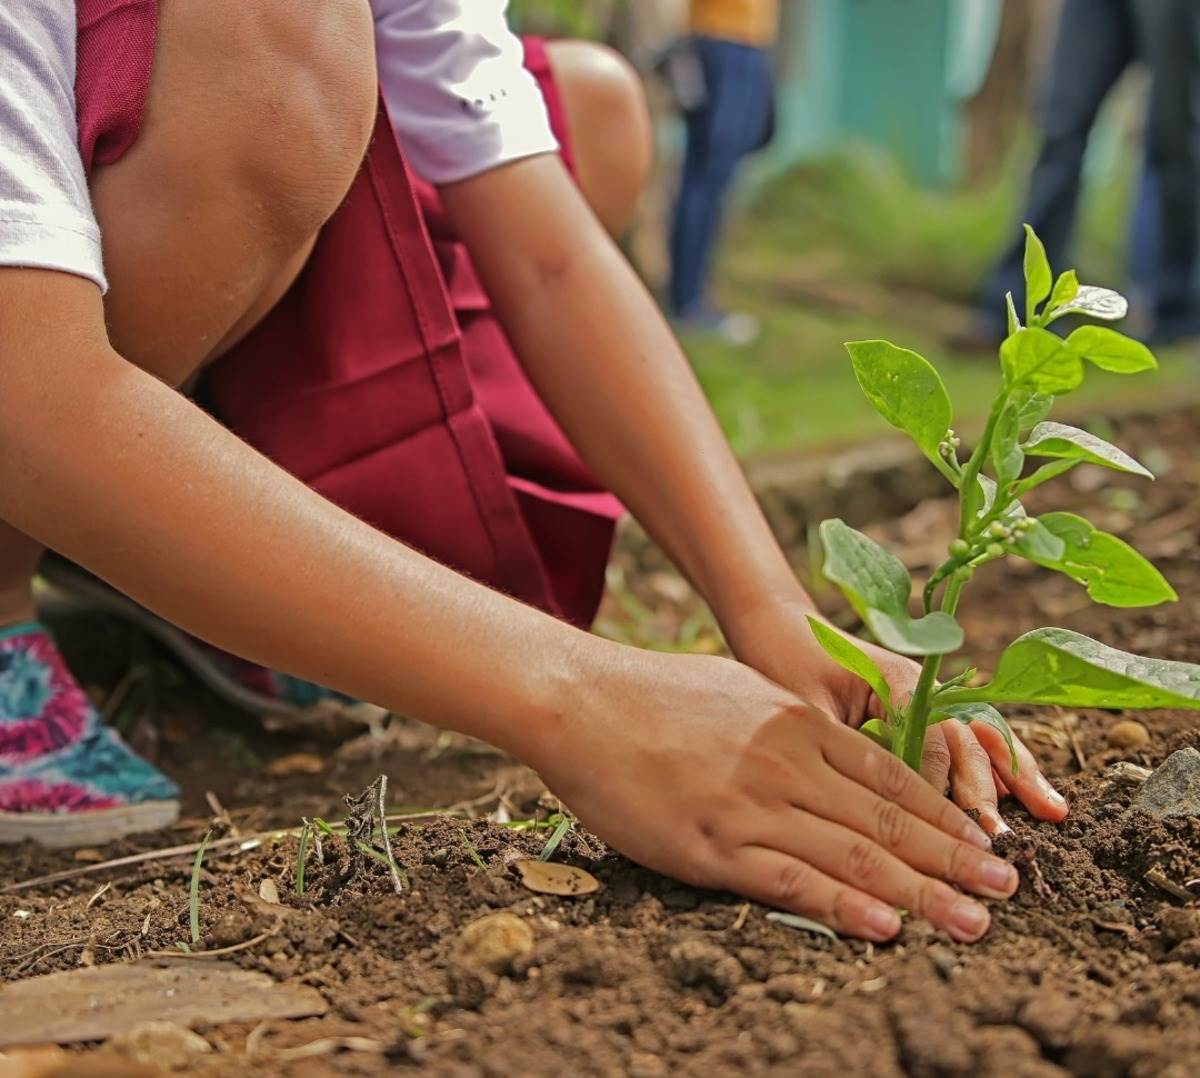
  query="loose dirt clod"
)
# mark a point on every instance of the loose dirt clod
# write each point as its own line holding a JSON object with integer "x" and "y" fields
{"x": 1129, "y": 734}
{"x": 495, "y": 942}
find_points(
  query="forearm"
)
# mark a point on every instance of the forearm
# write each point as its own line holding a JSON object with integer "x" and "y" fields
{"x": 106, "y": 464}
{"x": 607, "y": 365}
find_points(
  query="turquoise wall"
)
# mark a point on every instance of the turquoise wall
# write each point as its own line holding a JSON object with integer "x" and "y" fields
{"x": 888, "y": 72}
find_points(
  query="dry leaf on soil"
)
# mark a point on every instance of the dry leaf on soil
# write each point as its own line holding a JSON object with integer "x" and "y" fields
{"x": 551, "y": 878}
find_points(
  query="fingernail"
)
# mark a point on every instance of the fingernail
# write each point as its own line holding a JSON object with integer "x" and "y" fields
{"x": 969, "y": 918}
{"x": 997, "y": 875}
{"x": 881, "y": 922}
{"x": 995, "y": 822}
{"x": 1051, "y": 794}
{"x": 976, "y": 835}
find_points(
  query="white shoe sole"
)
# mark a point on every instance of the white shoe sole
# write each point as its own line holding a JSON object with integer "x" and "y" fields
{"x": 57, "y": 830}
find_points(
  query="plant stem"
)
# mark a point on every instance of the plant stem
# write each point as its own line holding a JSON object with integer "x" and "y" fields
{"x": 970, "y": 476}
{"x": 911, "y": 742}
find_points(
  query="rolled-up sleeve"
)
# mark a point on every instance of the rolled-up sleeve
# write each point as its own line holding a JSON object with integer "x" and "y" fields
{"x": 454, "y": 80}
{"x": 46, "y": 218}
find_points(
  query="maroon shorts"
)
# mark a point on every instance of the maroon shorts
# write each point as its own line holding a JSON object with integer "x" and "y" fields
{"x": 383, "y": 378}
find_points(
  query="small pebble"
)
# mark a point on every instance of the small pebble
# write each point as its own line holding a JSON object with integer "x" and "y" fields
{"x": 495, "y": 942}
{"x": 1128, "y": 734}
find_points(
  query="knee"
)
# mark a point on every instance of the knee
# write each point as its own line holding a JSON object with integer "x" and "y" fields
{"x": 610, "y": 127}
{"x": 307, "y": 94}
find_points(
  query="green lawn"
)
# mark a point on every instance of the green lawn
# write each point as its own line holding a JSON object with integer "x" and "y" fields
{"x": 848, "y": 250}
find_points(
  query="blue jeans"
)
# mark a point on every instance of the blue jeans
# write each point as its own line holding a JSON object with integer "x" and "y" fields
{"x": 1169, "y": 35}
{"x": 1094, "y": 46}
{"x": 734, "y": 121}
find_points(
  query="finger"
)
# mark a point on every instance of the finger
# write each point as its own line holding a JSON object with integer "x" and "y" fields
{"x": 935, "y": 760}
{"x": 971, "y": 782}
{"x": 855, "y": 860}
{"x": 866, "y": 763}
{"x": 779, "y": 880}
{"x": 1028, "y": 785}
{"x": 1002, "y": 789}
{"x": 906, "y": 838}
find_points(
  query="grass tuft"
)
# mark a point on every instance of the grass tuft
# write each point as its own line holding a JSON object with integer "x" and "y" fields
{"x": 194, "y": 889}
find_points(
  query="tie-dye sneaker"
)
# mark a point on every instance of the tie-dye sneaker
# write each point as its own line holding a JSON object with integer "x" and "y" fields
{"x": 65, "y": 778}
{"x": 283, "y": 703}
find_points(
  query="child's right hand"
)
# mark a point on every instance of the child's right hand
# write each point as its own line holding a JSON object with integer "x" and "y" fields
{"x": 705, "y": 770}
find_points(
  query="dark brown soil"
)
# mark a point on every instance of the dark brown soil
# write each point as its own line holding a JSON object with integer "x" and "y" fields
{"x": 1092, "y": 969}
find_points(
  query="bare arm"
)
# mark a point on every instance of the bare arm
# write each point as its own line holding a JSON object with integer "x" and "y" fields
{"x": 108, "y": 465}
{"x": 608, "y": 366}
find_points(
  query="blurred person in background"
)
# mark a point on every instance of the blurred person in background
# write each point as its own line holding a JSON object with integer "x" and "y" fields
{"x": 733, "y": 118}
{"x": 1097, "y": 41}
{"x": 1169, "y": 35}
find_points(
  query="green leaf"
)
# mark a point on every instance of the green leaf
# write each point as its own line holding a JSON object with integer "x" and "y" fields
{"x": 1057, "y": 666}
{"x": 1040, "y": 545}
{"x": 869, "y": 575}
{"x": 1094, "y": 302}
{"x": 1007, "y": 456}
{"x": 1071, "y": 443}
{"x": 985, "y": 713}
{"x": 1110, "y": 350}
{"x": 1065, "y": 290}
{"x": 934, "y": 634}
{"x": 1040, "y": 360}
{"x": 879, "y": 732}
{"x": 843, "y": 652}
{"x": 1032, "y": 407}
{"x": 905, "y": 389}
{"x": 1112, "y": 571}
{"x": 1037, "y": 274}
{"x": 1010, "y": 311}
{"x": 878, "y": 587}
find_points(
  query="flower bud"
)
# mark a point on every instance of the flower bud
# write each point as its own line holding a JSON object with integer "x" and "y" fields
{"x": 994, "y": 550}
{"x": 960, "y": 548}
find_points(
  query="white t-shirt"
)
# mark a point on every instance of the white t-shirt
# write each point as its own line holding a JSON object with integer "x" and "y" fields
{"x": 452, "y": 73}
{"x": 455, "y": 83}
{"x": 46, "y": 216}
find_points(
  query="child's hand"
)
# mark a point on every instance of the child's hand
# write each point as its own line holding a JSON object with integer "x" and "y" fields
{"x": 703, "y": 769}
{"x": 971, "y": 761}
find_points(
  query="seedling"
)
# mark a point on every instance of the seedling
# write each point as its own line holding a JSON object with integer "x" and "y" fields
{"x": 1045, "y": 666}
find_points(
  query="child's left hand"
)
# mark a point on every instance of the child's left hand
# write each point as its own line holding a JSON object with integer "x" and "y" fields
{"x": 971, "y": 761}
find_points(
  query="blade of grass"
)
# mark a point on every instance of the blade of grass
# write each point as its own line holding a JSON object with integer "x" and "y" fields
{"x": 194, "y": 889}
{"x": 383, "y": 859}
{"x": 474, "y": 853}
{"x": 301, "y": 854}
{"x": 565, "y": 823}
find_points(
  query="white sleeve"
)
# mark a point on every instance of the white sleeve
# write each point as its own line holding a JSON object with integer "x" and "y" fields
{"x": 454, "y": 80}
{"x": 46, "y": 218}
